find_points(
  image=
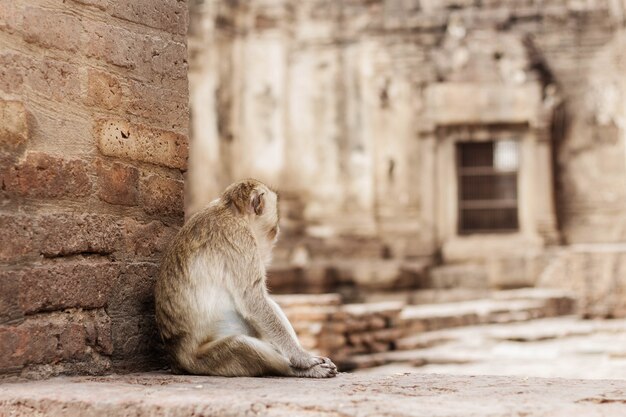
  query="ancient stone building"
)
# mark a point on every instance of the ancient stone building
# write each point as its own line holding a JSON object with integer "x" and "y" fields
{"x": 93, "y": 148}
{"x": 416, "y": 144}
{"x": 469, "y": 138}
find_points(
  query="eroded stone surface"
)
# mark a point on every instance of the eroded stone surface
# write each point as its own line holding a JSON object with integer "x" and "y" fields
{"x": 345, "y": 395}
{"x": 563, "y": 347}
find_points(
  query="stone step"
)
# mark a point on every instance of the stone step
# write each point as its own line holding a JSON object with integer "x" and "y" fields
{"x": 427, "y": 296}
{"x": 502, "y": 307}
{"x": 550, "y": 347}
{"x": 326, "y": 325}
{"x": 422, "y": 325}
{"x": 406, "y": 394}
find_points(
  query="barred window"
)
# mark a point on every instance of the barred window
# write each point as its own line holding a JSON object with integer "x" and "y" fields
{"x": 487, "y": 174}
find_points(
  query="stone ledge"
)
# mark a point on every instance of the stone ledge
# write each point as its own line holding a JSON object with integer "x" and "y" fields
{"x": 157, "y": 394}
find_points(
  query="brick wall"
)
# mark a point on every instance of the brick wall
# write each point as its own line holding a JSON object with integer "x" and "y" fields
{"x": 93, "y": 149}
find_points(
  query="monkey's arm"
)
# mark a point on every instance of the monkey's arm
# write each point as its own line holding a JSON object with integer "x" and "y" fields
{"x": 264, "y": 314}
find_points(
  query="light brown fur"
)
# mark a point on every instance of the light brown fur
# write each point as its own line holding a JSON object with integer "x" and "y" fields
{"x": 212, "y": 307}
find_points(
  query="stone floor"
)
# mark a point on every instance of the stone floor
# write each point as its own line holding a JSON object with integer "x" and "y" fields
{"x": 565, "y": 347}
{"x": 142, "y": 395}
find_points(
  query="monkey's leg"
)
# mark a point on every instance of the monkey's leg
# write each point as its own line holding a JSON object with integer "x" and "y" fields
{"x": 242, "y": 355}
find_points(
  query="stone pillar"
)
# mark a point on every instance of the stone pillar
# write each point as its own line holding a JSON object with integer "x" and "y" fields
{"x": 93, "y": 149}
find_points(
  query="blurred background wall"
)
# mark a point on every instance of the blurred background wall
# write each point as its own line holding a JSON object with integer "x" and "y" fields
{"x": 418, "y": 143}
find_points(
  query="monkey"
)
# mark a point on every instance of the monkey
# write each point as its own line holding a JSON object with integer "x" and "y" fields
{"x": 212, "y": 305}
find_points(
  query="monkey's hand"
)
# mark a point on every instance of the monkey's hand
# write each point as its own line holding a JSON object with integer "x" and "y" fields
{"x": 305, "y": 360}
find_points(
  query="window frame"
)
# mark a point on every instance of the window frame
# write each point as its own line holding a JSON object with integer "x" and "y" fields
{"x": 493, "y": 204}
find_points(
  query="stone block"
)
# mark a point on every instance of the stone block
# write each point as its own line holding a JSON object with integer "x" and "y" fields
{"x": 162, "y": 196}
{"x": 122, "y": 139}
{"x": 491, "y": 103}
{"x": 62, "y": 234}
{"x": 10, "y": 16}
{"x": 134, "y": 290}
{"x": 146, "y": 240}
{"x": 9, "y": 298}
{"x": 55, "y": 337}
{"x": 131, "y": 308}
{"x": 118, "y": 183}
{"x": 55, "y": 80}
{"x": 57, "y": 234}
{"x": 52, "y": 29}
{"x": 59, "y": 285}
{"x": 42, "y": 175}
{"x": 167, "y": 59}
{"x": 19, "y": 231}
{"x": 146, "y": 100}
{"x": 14, "y": 127}
{"x": 115, "y": 45}
{"x": 104, "y": 90}
{"x": 12, "y": 71}
{"x": 168, "y": 15}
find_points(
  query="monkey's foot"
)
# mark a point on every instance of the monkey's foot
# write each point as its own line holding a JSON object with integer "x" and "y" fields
{"x": 306, "y": 362}
{"x": 323, "y": 370}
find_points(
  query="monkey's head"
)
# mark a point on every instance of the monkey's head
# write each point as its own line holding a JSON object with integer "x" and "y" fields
{"x": 257, "y": 202}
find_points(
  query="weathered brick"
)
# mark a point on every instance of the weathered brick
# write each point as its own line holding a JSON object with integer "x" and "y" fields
{"x": 141, "y": 143}
{"x": 162, "y": 196}
{"x": 9, "y": 292}
{"x": 55, "y": 337}
{"x": 134, "y": 290}
{"x": 58, "y": 234}
{"x": 103, "y": 90}
{"x": 115, "y": 45}
{"x": 146, "y": 100}
{"x": 12, "y": 71}
{"x": 20, "y": 231}
{"x": 117, "y": 183}
{"x": 169, "y": 15}
{"x": 167, "y": 58}
{"x": 62, "y": 234}
{"x": 54, "y": 286}
{"x": 14, "y": 342}
{"x": 52, "y": 29}
{"x": 46, "y": 176}
{"x": 147, "y": 240}
{"x": 132, "y": 311}
{"x": 55, "y": 80}
{"x": 14, "y": 126}
{"x": 10, "y": 16}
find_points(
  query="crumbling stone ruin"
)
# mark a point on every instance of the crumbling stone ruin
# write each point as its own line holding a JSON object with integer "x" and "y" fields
{"x": 375, "y": 119}
{"x": 421, "y": 144}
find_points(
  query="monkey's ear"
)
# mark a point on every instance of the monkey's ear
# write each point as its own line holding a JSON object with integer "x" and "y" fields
{"x": 257, "y": 202}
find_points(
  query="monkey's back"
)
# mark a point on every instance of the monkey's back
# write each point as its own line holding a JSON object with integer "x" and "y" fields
{"x": 191, "y": 287}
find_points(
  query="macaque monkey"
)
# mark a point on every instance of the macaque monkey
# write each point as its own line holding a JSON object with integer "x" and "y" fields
{"x": 213, "y": 310}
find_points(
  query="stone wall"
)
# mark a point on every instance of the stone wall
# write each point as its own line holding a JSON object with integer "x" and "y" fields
{"x": 595, "y": 273}
{"x": 93, "y": 149}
